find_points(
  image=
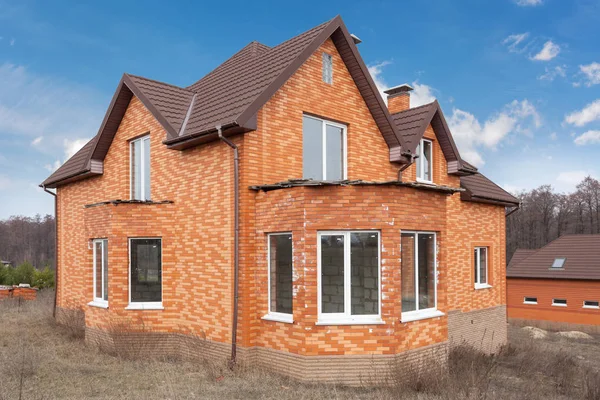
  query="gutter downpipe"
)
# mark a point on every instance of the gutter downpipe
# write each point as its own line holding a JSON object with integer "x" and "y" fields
{"x": 513, "y": 210}
{"x": 55, "y": 249}
{"x": 236, "y": 262}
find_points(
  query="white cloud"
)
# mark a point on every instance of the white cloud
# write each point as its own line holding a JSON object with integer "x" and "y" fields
{"x": 376, "y": 71}
{"x": 553, "y": 136}
{"x": 589, "y": 113}
{"x": 5, "y": 182}
{"x": 471, "y": 135}
{"x": 529, "y": 3}
{"x": 73, "y": 146}
{"x": 591, "y": 73}
{"x": 589, "y": 137}
{"x": 54, "y": 166}
{"x": 548, "y": 52}
{"x": 570, "y": 179}
{"x": 12, "y": 42}
{"x": 513, "y": 42}
{"x": 552, "y": 73}
{"x": 37, "y": 141}
{"x": 423, "y": 94}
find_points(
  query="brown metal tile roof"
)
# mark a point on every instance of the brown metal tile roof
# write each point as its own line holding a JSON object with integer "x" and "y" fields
{"x": 582, "y": 253}
{"x": 479, "y": 188}
{"x": 520, "y": 255}
{"x": 232, "y": 94}
{"x": 75, "y": 166}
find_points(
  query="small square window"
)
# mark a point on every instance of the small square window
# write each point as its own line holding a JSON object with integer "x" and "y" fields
{"x": 591, "y": 304}
{"x": 327, "y": 68}
{"x": 558, "y": 262}
{"x": 559, "y": 302}
{"x": 530, "y": 300}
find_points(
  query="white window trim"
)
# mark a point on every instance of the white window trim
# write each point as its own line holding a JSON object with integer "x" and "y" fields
{"x": 146, "y": 305}
{"x": 99, "y": 301}
{"x": 427, "y": 312}
{"x": 347, "y": 318}
{"x": 529, "y": 302}
{"x": 324, "y": 123}
{"x": 558, "y": 304}
{"x": 421, "y": 159}
{"x": 143, "y": 170}
{"x": 591, "y": 307}
{"x": 274, "y": 315}
{"x": 478, "y": 284}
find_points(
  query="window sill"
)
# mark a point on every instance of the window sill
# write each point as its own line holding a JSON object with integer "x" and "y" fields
{"x": 559, "y": 305}
{"x": 484, "y": 286}
{"x": 592, "y": 307}
{"x": 372, "y": 321}
{"x": 285, "y": 318}
{"x": 419, "y": 315}
{"x": 530, "y": 302}
{"x": 98, "y": 304}
{"x": 145, "y": 306}
{"x": 420, "y": 180}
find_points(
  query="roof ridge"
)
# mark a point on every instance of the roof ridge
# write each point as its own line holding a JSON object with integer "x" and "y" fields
{"x": 162, "y": 83}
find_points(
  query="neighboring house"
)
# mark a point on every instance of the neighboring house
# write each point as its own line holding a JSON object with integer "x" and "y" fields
{"x": 558, "y": 286}
{"x": 6, "y": 263}
{"x": 352, "y": 251}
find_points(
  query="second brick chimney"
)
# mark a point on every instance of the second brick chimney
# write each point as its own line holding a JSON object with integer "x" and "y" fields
{"x": 398, "y": 98}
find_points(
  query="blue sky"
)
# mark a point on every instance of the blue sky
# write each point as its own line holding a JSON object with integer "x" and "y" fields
{"x": 518, "y": 80}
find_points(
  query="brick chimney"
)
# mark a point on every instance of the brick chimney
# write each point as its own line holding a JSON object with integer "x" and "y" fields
{"x": 398, "y": 98}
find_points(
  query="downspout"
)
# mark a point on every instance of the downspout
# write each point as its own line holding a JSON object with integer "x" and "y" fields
{"x": 236, "y": 257}
{"x": 405, "y": 166}
{"x": 55, "y": 249}
{"x": 513, "y": 210}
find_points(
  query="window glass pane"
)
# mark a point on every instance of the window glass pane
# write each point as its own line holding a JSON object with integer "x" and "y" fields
{"x": 426, "y": 271}
{"x": 327, "y": 68}
{"x": 105, "y": 270}
{"x": 136, "y": 171}
{"x": 146, "y": 274}
{"x": 146, "y": 163}
{"x": 418, "y": 162}
{"x": 483, "y": 265}
{"x": 281, "y": 273}
{"x": 98, "y": 269}
{"x": 332, "y": 273}
{"x": 365, "y": 273}
{"x": 312, "y": 148}
{"x": 334, "y": 142}
{"x": 558, "y": 263}
{"x": 426, "y": 160}
{"x": 408, "y": 273}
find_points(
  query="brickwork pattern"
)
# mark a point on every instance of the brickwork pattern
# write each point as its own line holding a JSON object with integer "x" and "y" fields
{"x": 485, "y": 329}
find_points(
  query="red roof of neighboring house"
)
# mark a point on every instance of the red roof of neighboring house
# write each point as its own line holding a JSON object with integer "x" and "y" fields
{"x": 581, "y": 254}
{"x": 520, "y": 255}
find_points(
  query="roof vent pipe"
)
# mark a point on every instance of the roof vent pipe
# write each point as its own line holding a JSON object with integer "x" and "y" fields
{"x": 236, "y": 240}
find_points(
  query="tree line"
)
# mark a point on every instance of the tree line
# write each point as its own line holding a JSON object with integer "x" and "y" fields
{"x": 545, "y": 215}
{"x": 28, "y": 239}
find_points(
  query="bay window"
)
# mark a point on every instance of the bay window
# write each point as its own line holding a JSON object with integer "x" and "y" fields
{"x": 419, "y": 276}
{"x": 145, "y": 273}
{"x": 349, "y": 277}
{"x": 323, "y": 149}
{"x": 280, "y": 264}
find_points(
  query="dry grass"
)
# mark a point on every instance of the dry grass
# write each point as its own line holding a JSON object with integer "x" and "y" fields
{"x": 40, "y": 360}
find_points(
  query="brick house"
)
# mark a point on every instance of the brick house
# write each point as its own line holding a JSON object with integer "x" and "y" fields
{"x": 558, "y": 286}
{"x": 277, "y": 209}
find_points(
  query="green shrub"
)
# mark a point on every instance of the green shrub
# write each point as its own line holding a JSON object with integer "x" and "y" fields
{"x": 24, "y": 273}
{"x": 4, "y": 275}
{"x": 44, "y": 278}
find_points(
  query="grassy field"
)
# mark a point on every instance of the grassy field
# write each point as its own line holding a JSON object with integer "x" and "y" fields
{"x": 39, "y": 360}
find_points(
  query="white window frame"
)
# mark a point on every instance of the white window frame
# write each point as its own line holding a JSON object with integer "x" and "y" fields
{"x": 323, "y": 71}
{"x": 324, "y": 123}
{"x": 417, "y": 315}
{"x": 274, "y": 315}
{"x": 421, "y": 160}
{"x": 589, "y": 306}
{"x": 478, "y": 283}
{"x": 147, "y": 305}
{"x": 347, "y": 318}
{"x": 525, "y": 301}
{"x": 555, "y": 304}
{"x": 562, "y": 264}
{"x": 99, "y": 301}
{"x": 143, "y": 168}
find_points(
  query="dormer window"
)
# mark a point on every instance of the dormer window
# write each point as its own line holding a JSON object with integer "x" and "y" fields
{"x": 558, "y": 262}
{"x": 323, "y": 149}
{"x": 327, "y": 68}
{"x": 424, "y": 151}
{"x": 140, "y": 168}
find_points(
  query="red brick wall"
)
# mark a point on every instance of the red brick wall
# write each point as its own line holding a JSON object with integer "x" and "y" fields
{"x": 575, "y": 292}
